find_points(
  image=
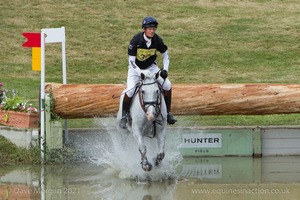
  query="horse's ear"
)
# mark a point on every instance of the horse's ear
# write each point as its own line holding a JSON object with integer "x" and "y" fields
{"x": 157, "y": 75}
{"x": 142, "y": 76}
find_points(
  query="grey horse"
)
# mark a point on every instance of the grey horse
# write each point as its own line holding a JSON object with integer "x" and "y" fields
{"x": 148, "y": 117}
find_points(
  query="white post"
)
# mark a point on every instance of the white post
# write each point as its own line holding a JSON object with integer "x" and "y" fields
{"x": 42, "y": 98}
{"x": 64, "y": 70}
{"x": 50, "y": 35}
{"x": 64, "y": 60}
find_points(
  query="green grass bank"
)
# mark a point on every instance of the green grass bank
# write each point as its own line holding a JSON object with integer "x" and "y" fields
{"x": 210, "y": 41}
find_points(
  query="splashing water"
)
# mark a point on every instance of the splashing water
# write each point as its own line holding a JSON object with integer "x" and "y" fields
{"x": 119, "y": 152}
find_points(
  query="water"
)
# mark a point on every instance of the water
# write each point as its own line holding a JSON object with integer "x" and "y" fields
{"x": 266, "y": 178}
{"x": 119, "y": 153}
{"x": 114, "y": 172}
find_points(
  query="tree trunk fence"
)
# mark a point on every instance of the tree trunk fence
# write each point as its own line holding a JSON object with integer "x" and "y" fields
{"x": 102, "y": 100}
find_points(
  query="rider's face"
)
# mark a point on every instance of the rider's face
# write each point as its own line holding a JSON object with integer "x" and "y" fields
{"x": 149, "y": 31}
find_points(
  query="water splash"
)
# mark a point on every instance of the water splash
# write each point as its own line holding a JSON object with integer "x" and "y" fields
{"x": 119, "y": 152}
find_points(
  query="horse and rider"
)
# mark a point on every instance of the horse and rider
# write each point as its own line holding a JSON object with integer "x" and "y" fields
{"x": 142, "y": 56}
{"x": 146, "y": 102}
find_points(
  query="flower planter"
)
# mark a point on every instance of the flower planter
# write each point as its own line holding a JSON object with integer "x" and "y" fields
{"x": 19, "y": 119}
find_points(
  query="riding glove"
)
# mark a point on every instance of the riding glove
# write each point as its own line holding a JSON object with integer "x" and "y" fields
{"x": 164, "y": 74}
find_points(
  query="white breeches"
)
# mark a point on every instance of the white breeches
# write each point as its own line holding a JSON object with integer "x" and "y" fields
{"x": 133, "y": 78}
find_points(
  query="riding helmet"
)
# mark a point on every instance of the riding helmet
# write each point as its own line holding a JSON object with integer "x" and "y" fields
{"x": 149, "y": 22}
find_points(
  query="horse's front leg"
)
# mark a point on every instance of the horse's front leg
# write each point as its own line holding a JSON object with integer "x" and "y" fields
{"x": 143, "y": 150}
{"x": 147, "y": 166}
{"x": 161, "y": 145}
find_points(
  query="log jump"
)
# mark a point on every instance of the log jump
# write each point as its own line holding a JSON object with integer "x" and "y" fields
{"x": 102, "y": 100}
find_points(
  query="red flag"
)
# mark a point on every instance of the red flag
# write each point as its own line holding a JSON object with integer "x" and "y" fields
{"x": 33, "y": 39}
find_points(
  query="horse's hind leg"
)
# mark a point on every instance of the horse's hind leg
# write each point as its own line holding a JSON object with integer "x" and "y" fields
{"x": 161, "y": 145}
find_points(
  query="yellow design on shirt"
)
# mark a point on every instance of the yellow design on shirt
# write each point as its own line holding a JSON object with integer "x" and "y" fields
{"x": 144, "y": 54}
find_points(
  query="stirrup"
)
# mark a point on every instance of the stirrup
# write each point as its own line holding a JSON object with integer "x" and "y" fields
{"x": 170, "y": 118}
{"x": 123, "y": 121}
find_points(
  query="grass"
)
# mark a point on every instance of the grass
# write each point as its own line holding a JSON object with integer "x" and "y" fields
{"x": 210, "y": 41}
{"x": 10, "y": 153}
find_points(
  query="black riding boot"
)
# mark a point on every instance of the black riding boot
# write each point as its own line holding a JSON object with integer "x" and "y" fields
{"x": 168, "y": 97}
{"x": 125, "y": 111}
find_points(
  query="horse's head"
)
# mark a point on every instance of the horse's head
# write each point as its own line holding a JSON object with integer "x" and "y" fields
{"x": 150, "y": 94}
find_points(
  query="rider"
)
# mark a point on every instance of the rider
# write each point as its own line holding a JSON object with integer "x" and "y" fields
{"x": 142, "y": 55}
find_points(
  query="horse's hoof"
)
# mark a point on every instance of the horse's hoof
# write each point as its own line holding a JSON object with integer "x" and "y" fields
{"x": 157, "y": 163}
{"x": 147, "y": 167}
{"x": 159, "y": 158}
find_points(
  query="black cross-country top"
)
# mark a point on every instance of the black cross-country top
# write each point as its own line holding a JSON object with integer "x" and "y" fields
{"x": 145, "y": 56}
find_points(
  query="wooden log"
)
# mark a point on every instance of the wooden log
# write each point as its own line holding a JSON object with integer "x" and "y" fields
{"x": 92, "y": 100}
{"x": 85, "y": 100}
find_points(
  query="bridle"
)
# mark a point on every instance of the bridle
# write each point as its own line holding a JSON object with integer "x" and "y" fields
{"x": 156, "y": 103}
{"x": 146, "y": 104}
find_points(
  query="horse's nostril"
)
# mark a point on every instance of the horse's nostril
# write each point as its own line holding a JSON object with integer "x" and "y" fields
{"x": 150, "y": 116}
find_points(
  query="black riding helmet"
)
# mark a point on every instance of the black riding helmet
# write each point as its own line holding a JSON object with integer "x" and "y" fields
{"x": 149, "y": 22}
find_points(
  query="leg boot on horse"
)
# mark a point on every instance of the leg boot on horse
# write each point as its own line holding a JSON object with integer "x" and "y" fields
{"x": 168, "y": 98}
{"x": 125, "y": 111}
